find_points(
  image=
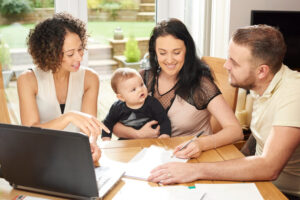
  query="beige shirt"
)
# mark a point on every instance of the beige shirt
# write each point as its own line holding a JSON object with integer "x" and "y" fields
{"x": 279, "y": 106}
{"x": 186, "y": 119}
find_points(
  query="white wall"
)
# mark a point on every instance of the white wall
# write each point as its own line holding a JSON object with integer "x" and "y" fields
{"x": 239, "y": 12}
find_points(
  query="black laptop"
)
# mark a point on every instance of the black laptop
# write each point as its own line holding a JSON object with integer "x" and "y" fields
{"x": 53, "y": 162}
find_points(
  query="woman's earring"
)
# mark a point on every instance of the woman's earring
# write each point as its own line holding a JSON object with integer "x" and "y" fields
{"x": 155, "y": 59}
{"x": 158, "y": 69}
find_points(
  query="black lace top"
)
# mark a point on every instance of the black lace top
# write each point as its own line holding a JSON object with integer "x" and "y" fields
{"x": 199, "y": 98}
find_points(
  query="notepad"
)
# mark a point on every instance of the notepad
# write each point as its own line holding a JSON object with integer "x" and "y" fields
{"x": 136, "y": 190}
{"x": 140, "y": 165}
{"x": 235, "y": 191}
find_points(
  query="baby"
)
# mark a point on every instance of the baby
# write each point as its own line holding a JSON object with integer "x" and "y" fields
{"x": 134, "y": 107}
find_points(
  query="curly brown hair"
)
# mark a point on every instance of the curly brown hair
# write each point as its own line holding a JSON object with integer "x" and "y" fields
{"x": 46, "y": 40}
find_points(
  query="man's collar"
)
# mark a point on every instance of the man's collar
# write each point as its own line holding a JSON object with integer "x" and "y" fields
{"x": 272, "y": 85}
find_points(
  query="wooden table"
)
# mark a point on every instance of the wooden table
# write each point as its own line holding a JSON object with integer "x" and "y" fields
{"x": 124, "y": 150}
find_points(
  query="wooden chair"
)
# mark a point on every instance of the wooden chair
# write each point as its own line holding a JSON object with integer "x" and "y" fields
{"x": 221, "y": 79}
{"x": 4, "y": 115}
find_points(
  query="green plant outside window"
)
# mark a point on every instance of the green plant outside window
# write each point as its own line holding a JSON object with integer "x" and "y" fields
{"x": 13, "y": 7}
{"x": 94, "y": 4}
{"x": 132, "y": 51}
{"x": 42, "y": 3}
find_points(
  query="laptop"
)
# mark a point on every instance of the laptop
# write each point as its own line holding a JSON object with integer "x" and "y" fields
{"x": 53, "y": 162}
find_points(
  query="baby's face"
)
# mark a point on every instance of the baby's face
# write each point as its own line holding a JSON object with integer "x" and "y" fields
{"x": 133, "y": 91}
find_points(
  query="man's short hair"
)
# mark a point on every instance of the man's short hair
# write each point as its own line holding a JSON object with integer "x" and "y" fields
{"x": 266, "y": 43}
{"x": 122, "y": 74}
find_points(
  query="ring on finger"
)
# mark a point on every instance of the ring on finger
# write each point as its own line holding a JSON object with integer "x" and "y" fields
{"x": 169, "y": 175}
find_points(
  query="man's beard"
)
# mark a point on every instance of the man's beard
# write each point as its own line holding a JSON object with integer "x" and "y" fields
{"x": 245, "y": 85}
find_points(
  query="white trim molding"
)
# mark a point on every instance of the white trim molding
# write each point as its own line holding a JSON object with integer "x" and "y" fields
{"x": 169, "y": 9}
{"x": 78, "y": 9}
{"x": 220, "y": 22}
{"x": 198, "y": 20}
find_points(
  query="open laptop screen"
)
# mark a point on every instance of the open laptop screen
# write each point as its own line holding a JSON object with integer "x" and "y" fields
{"x": 47, "y": 160}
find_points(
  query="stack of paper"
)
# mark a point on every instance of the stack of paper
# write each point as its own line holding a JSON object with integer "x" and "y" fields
{"x": 235, "y": 191}
{"x": 141, "y": 165}
{"x": 25, "y": 197}
{"x": 136, "y": 190}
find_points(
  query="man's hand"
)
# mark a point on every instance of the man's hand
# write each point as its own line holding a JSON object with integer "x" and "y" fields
{"x": 174, "y": 172}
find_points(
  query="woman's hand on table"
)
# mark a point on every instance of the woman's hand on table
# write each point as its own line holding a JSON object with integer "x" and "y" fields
{"x": 193, "y": 150}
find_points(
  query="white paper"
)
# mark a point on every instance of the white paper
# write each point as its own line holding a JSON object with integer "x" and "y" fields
{"x": 141, "y": 165}
{"x": 25, "y": 197}
{"x": 137, "y": 190}
{"x": 106, "y": 161}
{"x": 235, "y": 191}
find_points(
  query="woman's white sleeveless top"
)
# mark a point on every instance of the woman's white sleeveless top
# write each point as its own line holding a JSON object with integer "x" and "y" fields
{"x": 48, "y": 105}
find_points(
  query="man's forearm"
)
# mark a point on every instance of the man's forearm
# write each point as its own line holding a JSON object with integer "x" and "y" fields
{"x": 243, "y": 169}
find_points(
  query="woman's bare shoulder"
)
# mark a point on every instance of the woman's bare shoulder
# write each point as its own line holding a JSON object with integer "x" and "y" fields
{"x": 27, "y": 80}
{"x": 27, "y": 77}
{"x": 91, "y": 77}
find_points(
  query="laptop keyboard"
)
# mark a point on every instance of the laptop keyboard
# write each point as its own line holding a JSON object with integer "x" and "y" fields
{"x": 106, "y": 178}
{"x": 102, "y": 180}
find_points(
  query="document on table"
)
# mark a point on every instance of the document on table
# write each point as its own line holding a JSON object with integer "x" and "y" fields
{"x": 140, "y": 166}
{"x": 25, "y": 197}
{"x": 235, "y": 191}
{"x": 136, "y": 190}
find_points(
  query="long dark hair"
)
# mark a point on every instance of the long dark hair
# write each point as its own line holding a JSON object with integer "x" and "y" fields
{"x": 193, "y": 68}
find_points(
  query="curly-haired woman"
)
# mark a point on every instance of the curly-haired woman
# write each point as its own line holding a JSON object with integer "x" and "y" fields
{"x": 59, "y": 93}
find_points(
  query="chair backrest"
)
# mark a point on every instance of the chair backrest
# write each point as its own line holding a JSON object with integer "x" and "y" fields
{"x": 4, "y": 115}
{"x": 221, "y": 79}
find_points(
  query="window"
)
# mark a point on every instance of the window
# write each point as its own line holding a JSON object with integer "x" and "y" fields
{"x": 15, "y": 22}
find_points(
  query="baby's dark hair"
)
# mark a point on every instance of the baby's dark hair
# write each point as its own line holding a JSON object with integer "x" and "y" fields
{"x": 46, "y": 40}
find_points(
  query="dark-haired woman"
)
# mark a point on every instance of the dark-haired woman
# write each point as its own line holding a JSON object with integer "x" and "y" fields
{"x": 185, "y": 87}
{"x": 59, "y": 93}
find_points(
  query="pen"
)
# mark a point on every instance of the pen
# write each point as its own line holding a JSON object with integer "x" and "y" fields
{"x": 203, "y": 196}
{"x": 186, "y": 144}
